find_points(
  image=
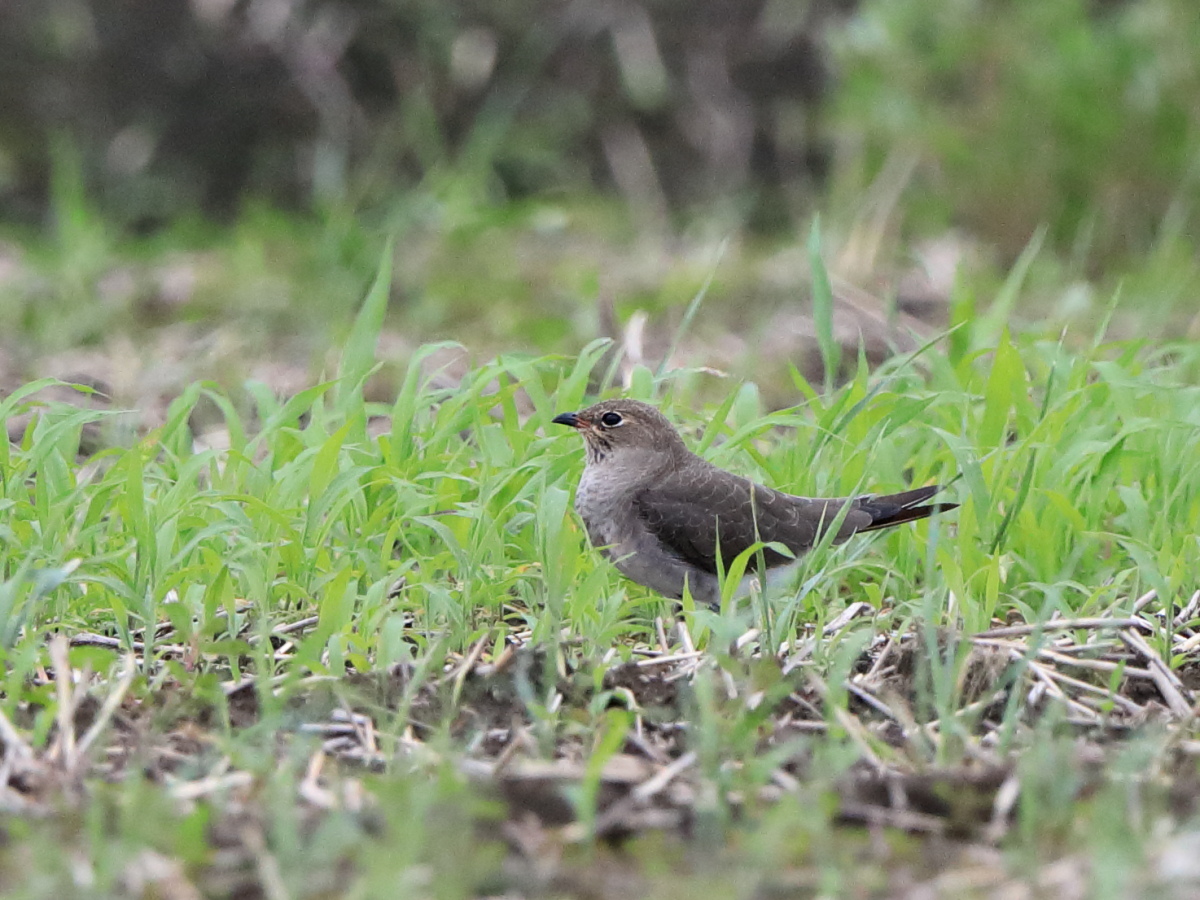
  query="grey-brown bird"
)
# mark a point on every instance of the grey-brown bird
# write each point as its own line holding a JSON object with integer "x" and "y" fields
{"x": 662, "y": 514}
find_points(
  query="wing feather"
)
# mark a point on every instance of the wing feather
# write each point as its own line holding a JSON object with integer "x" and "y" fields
{"x": 692, "y": 518}
{"x": 707, "y": 510}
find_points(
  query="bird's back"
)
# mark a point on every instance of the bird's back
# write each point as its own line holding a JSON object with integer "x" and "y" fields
{"x": 702, "y": 512}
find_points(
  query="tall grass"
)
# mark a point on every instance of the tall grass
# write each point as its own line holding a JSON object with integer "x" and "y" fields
{"x": 448, "y": 527}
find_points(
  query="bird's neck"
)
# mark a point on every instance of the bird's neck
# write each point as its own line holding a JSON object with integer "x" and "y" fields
{"x": 635, "y": 467}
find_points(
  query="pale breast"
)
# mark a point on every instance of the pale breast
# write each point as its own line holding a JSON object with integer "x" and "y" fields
{"x": 602, "y": 506}
{"x": 604, "y": 502}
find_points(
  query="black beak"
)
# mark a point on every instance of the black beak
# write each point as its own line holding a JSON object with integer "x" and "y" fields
{"x": 566, "y": 419}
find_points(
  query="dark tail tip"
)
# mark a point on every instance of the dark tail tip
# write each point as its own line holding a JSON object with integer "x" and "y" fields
{"x": 896, "y": 509}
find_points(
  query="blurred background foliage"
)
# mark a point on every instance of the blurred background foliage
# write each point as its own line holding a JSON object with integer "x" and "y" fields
{"x": 555, "y": 169}
{"x": 1083, "y": 116}
{"x": 179, "y": 105}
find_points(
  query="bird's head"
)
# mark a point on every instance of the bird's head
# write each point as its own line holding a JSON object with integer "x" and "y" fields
{"x": 624, "y": 430}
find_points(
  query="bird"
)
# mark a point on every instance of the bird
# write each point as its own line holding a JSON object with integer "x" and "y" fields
{"x": 670, "y": 520}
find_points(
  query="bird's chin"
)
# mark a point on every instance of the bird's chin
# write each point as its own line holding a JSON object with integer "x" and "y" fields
{"x": 597, "y": 450}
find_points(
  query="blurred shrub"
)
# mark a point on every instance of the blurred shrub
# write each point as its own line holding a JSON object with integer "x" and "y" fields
{"x": 174, "y": 105}
{"x": 1084, "y": 116}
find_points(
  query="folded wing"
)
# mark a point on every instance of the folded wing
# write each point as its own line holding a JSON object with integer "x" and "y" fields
{"x": 693, "y": 518}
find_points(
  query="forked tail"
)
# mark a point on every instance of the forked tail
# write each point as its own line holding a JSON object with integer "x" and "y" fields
{"x": 907, "y": 506}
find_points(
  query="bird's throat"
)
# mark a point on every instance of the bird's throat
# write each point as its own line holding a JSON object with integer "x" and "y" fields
{"x": 598, "y": 449}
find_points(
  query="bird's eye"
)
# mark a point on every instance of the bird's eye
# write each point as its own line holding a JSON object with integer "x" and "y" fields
{"x": 611, "y": 420}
